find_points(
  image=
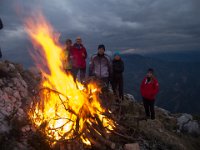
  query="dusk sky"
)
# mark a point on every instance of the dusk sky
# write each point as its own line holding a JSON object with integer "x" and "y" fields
{"x": 126, "y": 25}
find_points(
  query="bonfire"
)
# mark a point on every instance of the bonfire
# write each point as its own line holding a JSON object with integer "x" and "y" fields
{"x": 65, "y": 110}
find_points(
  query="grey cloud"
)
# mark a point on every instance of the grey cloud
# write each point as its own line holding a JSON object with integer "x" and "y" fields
{"x": 145, "y": 26}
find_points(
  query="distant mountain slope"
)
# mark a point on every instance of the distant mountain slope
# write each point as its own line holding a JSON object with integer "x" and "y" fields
{"x": 179, "y": 56}
{"x": 179, "y": 82}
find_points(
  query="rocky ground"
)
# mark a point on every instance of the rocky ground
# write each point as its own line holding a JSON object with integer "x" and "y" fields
{"x": 19, "y": 86}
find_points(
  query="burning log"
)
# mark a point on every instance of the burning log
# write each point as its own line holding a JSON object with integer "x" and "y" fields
{"x": 101, "y": 128}
{"x": 94, "y": 131}
{"x": 124, "y": 136}
{"x": 99, "y": 137}
{"x": 94, "y": 143}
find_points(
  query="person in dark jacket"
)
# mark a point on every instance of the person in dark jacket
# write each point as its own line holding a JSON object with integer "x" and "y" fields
{"x": 100, "y": 65}
{"x": 149, "y": 89}
{"x": 1, "y": 27}
{"x": 1, "y": 24}
{"x": 79, "y": 55}
{"x": 117, "y": 77}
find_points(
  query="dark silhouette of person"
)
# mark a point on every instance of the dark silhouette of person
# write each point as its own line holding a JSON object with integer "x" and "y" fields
{"x": 117, "y": 77}
{"x": 1, "y": 27}
{"x": 1, "y": 24}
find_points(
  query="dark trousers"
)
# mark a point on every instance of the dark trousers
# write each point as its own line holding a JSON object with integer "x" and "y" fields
{"x": 75, "y": 73}
{"x": 117, "y": 84}
{"x": 105, "y": 81}
{"x": 149, "y": 108}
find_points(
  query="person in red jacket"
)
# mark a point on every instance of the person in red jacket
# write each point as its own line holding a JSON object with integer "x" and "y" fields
{"x": 79, "y": 55}
{"x": 149, "y": 89}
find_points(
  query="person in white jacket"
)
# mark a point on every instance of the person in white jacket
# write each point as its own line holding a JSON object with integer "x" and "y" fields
{"x": 100, "y": 65}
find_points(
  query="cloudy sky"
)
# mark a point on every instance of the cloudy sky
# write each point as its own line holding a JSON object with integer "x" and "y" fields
{"x": 127, "y": 25}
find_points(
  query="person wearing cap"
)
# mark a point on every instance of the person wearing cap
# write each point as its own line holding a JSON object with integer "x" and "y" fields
{"x": 117, "y": 77}
{"x": 149, "y": 89}
{"x": 100, "y": 65}
{"x": 79, "y": 54}
{"x": 67, "y": 56}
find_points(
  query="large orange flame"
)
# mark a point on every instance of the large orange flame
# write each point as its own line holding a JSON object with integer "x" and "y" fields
{"x": 79, "y": 101}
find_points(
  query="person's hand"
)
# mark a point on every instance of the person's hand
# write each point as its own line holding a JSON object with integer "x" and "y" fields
{"x": 83, "y": 54}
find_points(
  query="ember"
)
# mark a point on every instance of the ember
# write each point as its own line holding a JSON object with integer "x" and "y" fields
{"x": 66, "y": 110}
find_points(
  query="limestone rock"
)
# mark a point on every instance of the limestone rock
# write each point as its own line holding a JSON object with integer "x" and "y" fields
{"x": 1, "y": 82}
{"x": 11, "y": 67}
{"x": 4, "y": 127}
{"x": 186, "y": 124}
{"x": 132, "y": 146}
{"x": 16, "y": 95}
{"x": 129, "y": 97}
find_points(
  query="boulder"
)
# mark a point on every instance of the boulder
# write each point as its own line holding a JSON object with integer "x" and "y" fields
{"x": 192, "y": 127}
{"x": 11, "y": 67}
{"x": 4, "y": 127}
{"x": 1, "y": 82}
{"x": 186, "y": 124}
{"x": 129, "y": 97}
{"x": 16, "y": 95}
{"x": 184, "y": 118}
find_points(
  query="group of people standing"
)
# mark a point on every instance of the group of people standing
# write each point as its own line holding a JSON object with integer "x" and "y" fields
{"x": 109, "y": 71}
{"x": 100, "y": 66}
{"x": 74, "y": 59}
